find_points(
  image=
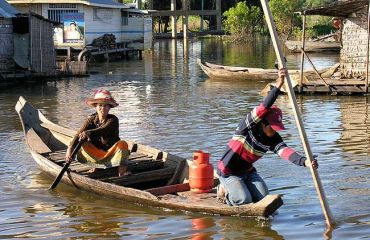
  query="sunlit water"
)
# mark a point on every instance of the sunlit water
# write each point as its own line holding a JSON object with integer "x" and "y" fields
{"x": 166, "y": 101}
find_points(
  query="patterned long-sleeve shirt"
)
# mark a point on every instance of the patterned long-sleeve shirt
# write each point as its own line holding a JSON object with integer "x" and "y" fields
{"x": 249, "y": 143}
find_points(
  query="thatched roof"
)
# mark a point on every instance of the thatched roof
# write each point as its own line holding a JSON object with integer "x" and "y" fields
{"x": 341, "y": 8}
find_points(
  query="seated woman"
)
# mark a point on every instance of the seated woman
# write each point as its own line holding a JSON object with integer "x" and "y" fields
{"x": 102, "y": 147}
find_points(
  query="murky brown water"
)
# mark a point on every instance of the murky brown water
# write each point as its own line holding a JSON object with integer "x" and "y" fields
{"x": 168, "y": 103}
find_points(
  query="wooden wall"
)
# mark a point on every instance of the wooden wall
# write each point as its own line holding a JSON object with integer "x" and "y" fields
{"x": 139, "y": 30}
{"x": 42, "y": 55}
{"x": 6, "y": 44}
{"x": 99, "y": 21}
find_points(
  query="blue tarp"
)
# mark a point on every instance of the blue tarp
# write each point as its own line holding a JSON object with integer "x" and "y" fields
{"x": 7, "y": 10}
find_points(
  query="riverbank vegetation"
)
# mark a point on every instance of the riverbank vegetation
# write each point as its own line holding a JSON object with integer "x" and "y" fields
{"x": 243, "y": 19}
{"x": 246, "y": 18}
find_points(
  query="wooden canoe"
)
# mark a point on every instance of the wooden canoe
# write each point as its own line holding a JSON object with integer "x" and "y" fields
{"x": 158, "y": 178}
{"x": 245, "y": 73}
{"x": 313, "y": 46}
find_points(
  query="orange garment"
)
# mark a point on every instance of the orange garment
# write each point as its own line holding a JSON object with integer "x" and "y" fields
{"x": 117, "y": 155}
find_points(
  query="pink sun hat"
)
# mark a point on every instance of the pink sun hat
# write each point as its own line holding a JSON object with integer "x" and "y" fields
{"x": 275, "y": 118}
{"x": 102, "y": 97}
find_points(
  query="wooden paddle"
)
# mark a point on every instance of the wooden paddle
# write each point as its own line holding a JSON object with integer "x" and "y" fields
{"x": 64, "y": 169}
{"x": 299, "y": 122}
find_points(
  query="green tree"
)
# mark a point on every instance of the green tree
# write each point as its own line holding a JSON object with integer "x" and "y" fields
{"x": 242, "y": 21}
{"x": 283, "y": 12}
{"x": 316, "y": 3}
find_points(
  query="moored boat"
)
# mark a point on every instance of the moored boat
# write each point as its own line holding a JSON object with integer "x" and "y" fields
{"x": 313, "y": 46}
{"x": 157, "y": 178}
{"x": 233, "y": 72}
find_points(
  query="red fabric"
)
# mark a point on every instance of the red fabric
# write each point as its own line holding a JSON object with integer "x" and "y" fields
{"x": 238, "y": 148}
{"x": 286, "y": 153}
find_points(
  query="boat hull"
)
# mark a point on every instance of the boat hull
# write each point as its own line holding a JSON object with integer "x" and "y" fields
{"x": 171, "y": 192}
{"x": 240, "y": 73}
{"x": 295, "y": 46}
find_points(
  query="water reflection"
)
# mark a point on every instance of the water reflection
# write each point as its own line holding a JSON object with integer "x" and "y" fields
{"x": 355, "y": 124}
{"x": 236, "y": 229}
{"x": 167, "y": 102}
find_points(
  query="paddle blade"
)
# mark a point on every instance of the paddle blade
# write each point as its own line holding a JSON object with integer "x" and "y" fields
{"x": 64, "y": 169}
{"x": 59, "y": 177}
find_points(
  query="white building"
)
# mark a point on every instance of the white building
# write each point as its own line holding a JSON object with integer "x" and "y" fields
{"x": 85, "y": 20}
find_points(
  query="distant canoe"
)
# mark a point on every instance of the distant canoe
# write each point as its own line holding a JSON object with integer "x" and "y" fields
{"x": 246, "y": 73}
{"x": 313, "y": 46}
{"x": 157, "y": 178}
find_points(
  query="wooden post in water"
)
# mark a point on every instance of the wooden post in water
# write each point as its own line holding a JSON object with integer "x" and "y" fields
{"x": 367, "y": 49}
{"x": 185, "y": 19}
{"x": 218, "y": 16}
{"x": 298, "y": 118}
{"x": 300, "y": 86}
{"x": 173, "y": 19}
{"x": 202, "y": 18}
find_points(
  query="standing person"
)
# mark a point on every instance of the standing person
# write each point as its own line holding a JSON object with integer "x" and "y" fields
{"x": 102, "y": 147}
{"x": 255, "y": 135}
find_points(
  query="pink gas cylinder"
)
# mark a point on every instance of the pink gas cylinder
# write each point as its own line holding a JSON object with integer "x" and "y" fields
{"x": 201, "y": 173}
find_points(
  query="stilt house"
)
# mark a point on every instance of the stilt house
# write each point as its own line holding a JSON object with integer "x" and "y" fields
{"x": 7, "y": 12}
{"x": 84, "y": 21}
{"x": 352, "y": 17}
{"x": 26, "y": 44}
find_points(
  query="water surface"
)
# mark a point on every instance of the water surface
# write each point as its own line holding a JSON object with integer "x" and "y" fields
{"x": 166, "y": 101}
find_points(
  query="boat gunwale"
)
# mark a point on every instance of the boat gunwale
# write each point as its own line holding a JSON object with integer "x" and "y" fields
{"x": 141, "y": 196}
{"x": 245, "y": 73}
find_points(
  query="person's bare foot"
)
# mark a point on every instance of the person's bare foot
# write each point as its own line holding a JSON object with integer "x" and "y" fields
{"x": 122, "y": 171}
{"x": 92, "y": 170}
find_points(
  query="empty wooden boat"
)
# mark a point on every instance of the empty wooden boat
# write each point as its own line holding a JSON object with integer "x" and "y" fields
{"x": 246, "y": 73}
{"x": 158, "y": 178}
{"x": 313, "y": 46}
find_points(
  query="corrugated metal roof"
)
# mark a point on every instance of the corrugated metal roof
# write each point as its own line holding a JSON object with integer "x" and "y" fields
{"x": 97, "y": 3}
{"x": 7, "y": 10}
{"x": 106, "y": 2}
{"x": 338, "y": 9}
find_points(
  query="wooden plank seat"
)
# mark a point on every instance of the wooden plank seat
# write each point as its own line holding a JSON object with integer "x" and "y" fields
{"x": 59, "y": 156}
{"x": 137, "y": 163}
{"x": 133, "y": 167}
{"x": 149, "y": 176}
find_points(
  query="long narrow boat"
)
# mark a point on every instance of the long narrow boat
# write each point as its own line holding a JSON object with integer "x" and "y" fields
{"x": 245, "y": 73}
{"x": 313, "y": 46}
{"x": 158, "y": 178}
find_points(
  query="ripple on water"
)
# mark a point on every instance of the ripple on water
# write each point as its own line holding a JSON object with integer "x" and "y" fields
{"x": 180, "y": 112}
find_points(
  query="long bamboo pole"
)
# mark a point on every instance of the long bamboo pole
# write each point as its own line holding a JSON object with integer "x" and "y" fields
{"x": 298, "y": 118}
{"x": 314, "y": 68}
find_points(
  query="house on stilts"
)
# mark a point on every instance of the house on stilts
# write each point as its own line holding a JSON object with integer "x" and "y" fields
{"x": 26, "y": 46}
{"x": 351, "y": 74}
{"x": 93, "y": 27}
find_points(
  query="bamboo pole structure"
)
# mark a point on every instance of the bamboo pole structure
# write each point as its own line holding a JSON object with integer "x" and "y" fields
{"x": 185, "y": 7}
{"x": 218, "y": 16}
{"x": 314, "y": 68}
{"x": 202, "y": 17}
{"x": 367, "y": 48}
{"x": 298, "y": 118}
{"x": 300, "y": 86}
{"x": 173, "y": 19}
